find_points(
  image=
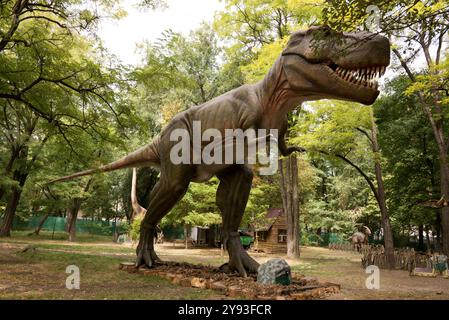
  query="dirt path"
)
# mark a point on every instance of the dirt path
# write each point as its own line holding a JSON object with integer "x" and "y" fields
{"x": 340, "y": 267}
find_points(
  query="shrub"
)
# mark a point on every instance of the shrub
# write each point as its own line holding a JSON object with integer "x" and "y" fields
{"x": 134, "y": 231}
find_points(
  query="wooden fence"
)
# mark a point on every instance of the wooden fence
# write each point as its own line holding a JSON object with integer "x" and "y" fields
{"x": 404, "y": 258}
{"x": 344, "y": 246}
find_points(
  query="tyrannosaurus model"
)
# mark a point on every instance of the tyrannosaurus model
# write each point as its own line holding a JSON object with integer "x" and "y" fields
{"x": 316, "y": 64}
{"x": 138, "y": 210}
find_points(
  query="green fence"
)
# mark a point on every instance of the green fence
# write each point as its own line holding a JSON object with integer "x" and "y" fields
{"x": 58, "y": 224}
{"x": 171, "y": 232}
{"x": 324, "y": 239}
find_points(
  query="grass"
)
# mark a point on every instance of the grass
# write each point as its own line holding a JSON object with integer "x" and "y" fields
{"x": 60, "y": 236}
{"x": 41, "y": 274}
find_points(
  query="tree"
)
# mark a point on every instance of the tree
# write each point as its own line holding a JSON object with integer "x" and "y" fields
{"x": 415, "y": 27}
{"x": 334, "y": 129}
{"x": 54, "y": 83}
{"x": 74, "y": 96}
{"x": 20, "y": 124}
{"x": 412, "y": 160}
{"x": 252, "y": 24}
{"x": 181, "y": 71}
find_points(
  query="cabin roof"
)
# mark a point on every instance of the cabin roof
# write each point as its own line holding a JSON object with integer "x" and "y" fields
{"x": 274, "y": 212}
{"x": 272, "y": 215}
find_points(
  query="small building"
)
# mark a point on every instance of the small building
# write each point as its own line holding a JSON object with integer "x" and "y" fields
{"x": 272, "y": 236}
{"x": 204, "y": 235}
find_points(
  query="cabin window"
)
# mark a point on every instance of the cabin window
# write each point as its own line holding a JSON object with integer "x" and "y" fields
{"x": 282, "y": 235}
{"x": 262, "y": 236}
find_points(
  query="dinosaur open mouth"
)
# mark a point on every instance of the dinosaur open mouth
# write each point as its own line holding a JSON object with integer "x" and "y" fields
{"x": 367, "y": 76}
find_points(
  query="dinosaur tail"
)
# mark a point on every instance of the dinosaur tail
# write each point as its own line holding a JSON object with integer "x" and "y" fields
{"x": 137, "y": 208}
{"x": 145, "y": 156}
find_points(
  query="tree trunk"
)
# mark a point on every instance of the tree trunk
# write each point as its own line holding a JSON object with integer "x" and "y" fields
{"x": 40, "y": 225}
{"x": 388, "y": 234}
{"x": 73, "y": 214}
{"x": 438, "y": 244}
{"x": 444, "y": 169}
{"x": 420, "y": 237}
{"x": 186, "y": 233}
{"x": 5, "y": 230}
{"x": 20, "y": 175}
{"x": 210, "y": 234}
{"x": 290, "y": 201}
{"x": 15, "y": 153}
{"x": 428, "y": 238}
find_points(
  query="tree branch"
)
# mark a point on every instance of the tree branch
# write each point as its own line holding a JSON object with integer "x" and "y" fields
{"x": 366, "y": 134}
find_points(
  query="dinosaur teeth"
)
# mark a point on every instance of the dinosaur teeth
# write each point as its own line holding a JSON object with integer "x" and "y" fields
{"x": 367, "y": 77}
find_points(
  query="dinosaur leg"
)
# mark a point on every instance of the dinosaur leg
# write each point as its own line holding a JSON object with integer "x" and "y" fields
{"x": 232, "y": 196}
{"x": 163, "y": 197}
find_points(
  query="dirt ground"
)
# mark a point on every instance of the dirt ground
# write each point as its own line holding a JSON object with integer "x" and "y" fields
{"x": 40, "y": 273}
{"x": 341, "y": 267}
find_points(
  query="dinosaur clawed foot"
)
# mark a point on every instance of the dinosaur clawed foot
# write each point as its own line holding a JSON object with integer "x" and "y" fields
{"x": 239, "y": 259}
{"x": 146, "y": 256}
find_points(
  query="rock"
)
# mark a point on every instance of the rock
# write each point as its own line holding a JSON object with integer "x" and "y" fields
{"x": 186, "y": 282}
{"x": 274, "y": 271}
{"x": 127, "y": 266}
{"x": 146, "y": 271}
{"x": 171, "y": 276}
{"x": 298, "y": 296}
{"x": 177, "y": 279}
{"x": 249, "y": 293}
{"x": 218, "y": 285}
{"x": 234, "y": 291}
{"x": 310, "y": 280}
{"x": 198, "y": 282}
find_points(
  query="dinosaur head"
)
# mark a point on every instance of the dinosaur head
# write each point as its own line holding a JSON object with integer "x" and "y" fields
{"x": 366, "y": 230}
{"x": 327, "y": 64}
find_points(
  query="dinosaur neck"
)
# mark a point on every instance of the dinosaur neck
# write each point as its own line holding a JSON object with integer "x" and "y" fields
{"x": 276, "y": 96}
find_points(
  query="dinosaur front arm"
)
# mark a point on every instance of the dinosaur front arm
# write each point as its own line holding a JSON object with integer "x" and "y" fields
{"x": 283, "y": 148}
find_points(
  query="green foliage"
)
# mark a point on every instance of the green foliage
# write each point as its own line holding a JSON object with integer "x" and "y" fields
{"x": 64, "y": 105}
{"x": 251, "y": 24}
{"x": 267, "y": 55}
{"x": 197, "y": 207}
{"x": 201, "y": 220}
{"x": 396, "y": 17}
{"x": 67, "y": 105}
{"x": 134, "y": 231}
{"x": 411, "y": 154}
{"x": 435, "y": 80}
{"x": 332, "y": 127}
{"x": 183, "y": 71}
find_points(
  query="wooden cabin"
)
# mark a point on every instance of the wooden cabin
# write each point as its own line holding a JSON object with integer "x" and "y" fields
{"x": 272, "y": 237}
